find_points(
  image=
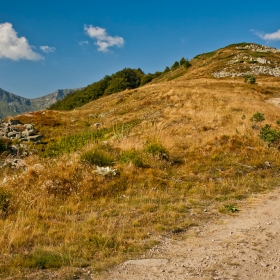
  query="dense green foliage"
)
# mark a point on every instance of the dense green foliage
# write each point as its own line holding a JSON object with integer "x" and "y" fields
{"x": 124, "y": 79}
{"x": 175, "y": 65}
{"x": 269, "y": 135}
{"x": 185, "y": 62}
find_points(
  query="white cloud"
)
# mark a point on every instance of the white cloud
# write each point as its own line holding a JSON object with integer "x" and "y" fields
{"x": 48, "y": 49}
{"x": 13, "y": 47}
{"x": 269, "y": 36}
{"x": 104, "y": 41}
{"x": 83, "y": 43}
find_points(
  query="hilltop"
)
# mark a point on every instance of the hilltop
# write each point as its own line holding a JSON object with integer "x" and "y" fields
{"x": 112, "y": 177}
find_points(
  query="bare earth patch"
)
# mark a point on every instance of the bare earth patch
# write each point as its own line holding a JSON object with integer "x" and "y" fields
{"x": 242, "y": 246}
{"x": 274, "y": 101}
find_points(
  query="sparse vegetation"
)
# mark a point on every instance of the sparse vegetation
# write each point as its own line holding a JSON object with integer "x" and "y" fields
{"x": 250, "y": 78}
{"x": 177, "y": 148}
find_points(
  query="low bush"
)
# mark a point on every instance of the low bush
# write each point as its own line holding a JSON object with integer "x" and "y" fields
{"x": 97, "y": 157}
{"x": 5, "y": 202}
{"x": 133, "y": 156}
{"x": 269, "y": 135}
{"x": 157, "y": 149}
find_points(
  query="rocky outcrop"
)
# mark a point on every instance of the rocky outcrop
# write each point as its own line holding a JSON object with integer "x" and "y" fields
{"x": 22, "y": 134}
{"x": 14, "y": 129}
{"x": 258, "y": 48}
{"x": 255, "y": 62}
{"x": 254, "y": 70}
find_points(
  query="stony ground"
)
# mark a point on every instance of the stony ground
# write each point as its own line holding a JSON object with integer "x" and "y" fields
{"x": 242, "y": 246}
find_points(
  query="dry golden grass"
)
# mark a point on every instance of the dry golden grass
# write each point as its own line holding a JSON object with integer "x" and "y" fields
{"x": 62, "y": 214}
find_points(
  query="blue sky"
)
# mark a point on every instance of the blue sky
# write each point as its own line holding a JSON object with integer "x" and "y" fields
{"x": 50, "y": 45}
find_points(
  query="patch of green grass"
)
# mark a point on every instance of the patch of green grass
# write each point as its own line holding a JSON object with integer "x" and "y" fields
{"x": 134, "y": 156}
{"x": 5, "y": 202}
{"x": 205, "y": 55}
{"x": 157, "y": 149}
{"x": 40, "y": 259}
{"x": 231, "y": 208}
{"x": 73, "y": 142}
{"x": 97, "y": 157}
{"x": 175, "y": 76}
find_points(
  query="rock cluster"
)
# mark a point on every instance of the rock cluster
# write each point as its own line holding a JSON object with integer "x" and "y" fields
{"x": 14, "y": 129}
{"x": 254, "y": 70}
{"x": 244, "y": 58}
{"x": 258, "y": 48}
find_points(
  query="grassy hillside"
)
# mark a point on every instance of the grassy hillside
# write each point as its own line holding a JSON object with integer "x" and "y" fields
{"x": 121, "y": 80}
{"x": 180, "y": 151}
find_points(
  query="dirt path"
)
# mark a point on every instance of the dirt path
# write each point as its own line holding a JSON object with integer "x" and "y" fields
{"x": 245, "y": 246}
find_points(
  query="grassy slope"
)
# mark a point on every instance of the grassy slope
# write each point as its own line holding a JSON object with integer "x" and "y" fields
{"x": 66, "y": 215}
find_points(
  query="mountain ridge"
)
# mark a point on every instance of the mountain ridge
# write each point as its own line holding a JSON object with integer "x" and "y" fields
{"x": 12, "y": 104}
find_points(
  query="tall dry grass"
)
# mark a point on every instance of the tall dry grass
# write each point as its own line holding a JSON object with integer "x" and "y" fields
{"x": 179, "y": 147}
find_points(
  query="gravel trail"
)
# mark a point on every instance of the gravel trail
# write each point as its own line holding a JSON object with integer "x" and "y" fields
{"x": 243, "y": 246}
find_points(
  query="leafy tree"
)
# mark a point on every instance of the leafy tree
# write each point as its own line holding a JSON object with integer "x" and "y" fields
{"x": 146, "y": 79}
{"x": 124, "y": 79}
{"x": 185, "y": 62}
{"x": 167, "y": 69}
{"x": 175, "y": 65}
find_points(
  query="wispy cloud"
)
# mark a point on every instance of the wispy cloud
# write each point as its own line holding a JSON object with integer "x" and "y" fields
{"x": 83, "y": 43}
{"x": 275, "y": 36}
{"x": 48, "y": 49}
{"x": 104, "y": 41}
{"x": 14, "y": 47}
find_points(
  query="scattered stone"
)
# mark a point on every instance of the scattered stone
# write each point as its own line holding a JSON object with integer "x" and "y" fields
{"x": 14, "y": 129}
{"x": 106, "y": 171}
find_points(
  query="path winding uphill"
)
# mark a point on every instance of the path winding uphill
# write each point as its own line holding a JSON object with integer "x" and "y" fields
{"x": 245, "y": 246}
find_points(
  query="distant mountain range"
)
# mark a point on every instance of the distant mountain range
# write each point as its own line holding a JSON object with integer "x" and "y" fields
{"x": 11, "y": 104}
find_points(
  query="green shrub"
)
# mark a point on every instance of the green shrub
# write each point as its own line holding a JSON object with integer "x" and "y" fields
{"x": 250, "y": 78}
{"x": 175, "y": 65}
{"x": 146, "y": 79}
{"x": 40, "y": 259}
{"x": 133, "y": 156}
{"x": 167, "y": 69}
{"x": 5, "y": 202}
{"x": 97, "y": 157}
{"x": 185, "y": 62}
{"x": 157, "y": 149}
{"x": 269, "y": 135}
{"x": 257, "y": 117}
